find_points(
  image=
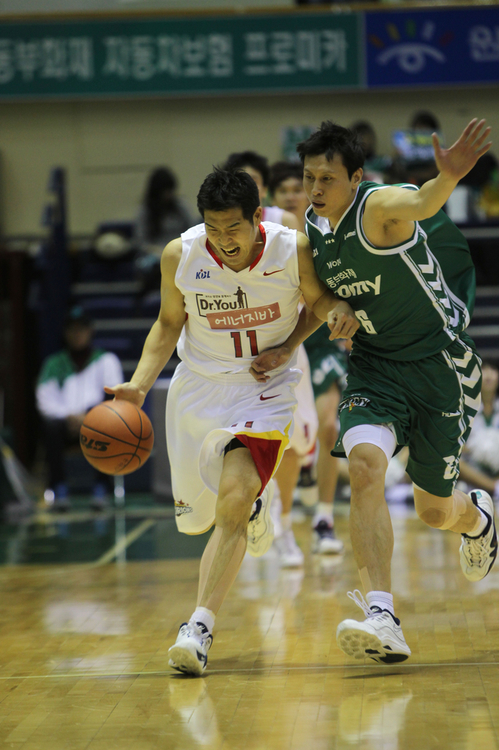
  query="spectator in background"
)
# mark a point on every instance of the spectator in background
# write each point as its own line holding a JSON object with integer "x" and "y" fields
{"x": 480, "y": 461}
{"x": 375, "y": 166}
{"x": 162, "y": 218}
{"x": 257, "y": 167}
{"x": 70, "y": 383}
{"x": 286, "y": 189}
{"x": 414, "y": 160}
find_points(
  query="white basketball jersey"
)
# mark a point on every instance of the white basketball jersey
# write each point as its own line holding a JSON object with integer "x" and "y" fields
{"x": 273, "y": 213}
{"x": 234, "y": 316}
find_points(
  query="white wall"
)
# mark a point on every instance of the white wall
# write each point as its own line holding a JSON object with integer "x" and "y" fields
{"x": 108, "y": 147}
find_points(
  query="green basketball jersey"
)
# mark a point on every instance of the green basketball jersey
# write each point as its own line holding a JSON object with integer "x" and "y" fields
{"x": 412, "y": 300}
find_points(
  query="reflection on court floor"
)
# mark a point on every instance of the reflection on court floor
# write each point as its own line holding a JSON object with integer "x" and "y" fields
{"x": 85, "y": 637}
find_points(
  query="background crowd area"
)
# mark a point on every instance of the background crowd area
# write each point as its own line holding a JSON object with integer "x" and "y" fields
{"x": 92, "y": 191}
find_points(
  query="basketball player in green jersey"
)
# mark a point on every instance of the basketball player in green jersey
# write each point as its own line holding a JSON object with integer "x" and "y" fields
{"x": 414, "y": 375}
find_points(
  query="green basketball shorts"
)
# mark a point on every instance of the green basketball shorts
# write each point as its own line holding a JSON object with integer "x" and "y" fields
{"x": 431, "y": 404}
{"x": 328, "y": 365}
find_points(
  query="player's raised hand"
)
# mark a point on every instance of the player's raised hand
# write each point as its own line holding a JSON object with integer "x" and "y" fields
{"x": 127, "y": 392}
{"x": 342, "y": 322}
{"x": 455, "y": 162}
{"x": 269, "y": 360}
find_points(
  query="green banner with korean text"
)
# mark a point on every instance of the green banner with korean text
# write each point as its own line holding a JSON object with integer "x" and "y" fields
{"x": 178, "y": 56}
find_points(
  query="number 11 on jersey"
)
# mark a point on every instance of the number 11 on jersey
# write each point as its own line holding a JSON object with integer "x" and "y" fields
{"x": 236, "y": 336}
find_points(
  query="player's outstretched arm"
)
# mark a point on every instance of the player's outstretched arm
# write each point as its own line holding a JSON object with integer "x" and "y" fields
{"x": 321, "y": 305}
{"x": 164, "y": 334}
{"x": 321, "y": 300}
{"x": 400, "y": 204}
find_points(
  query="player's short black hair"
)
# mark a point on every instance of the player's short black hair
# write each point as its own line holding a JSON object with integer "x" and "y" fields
{"x": 283, "y": 170}
{"x": 331, "y": 139}
{"x": 223, "y": 189}
{"x": 241, "y": 159}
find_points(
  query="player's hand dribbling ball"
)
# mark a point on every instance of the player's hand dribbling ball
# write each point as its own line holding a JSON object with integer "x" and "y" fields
{"x": 116, "y": 437}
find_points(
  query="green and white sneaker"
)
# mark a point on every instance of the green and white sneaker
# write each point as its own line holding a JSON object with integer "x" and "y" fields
{"x": 478, "y": 553}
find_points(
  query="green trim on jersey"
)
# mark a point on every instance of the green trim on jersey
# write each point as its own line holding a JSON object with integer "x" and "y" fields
{"x": 412, "y": 300}
{"x": 60, "y": 366}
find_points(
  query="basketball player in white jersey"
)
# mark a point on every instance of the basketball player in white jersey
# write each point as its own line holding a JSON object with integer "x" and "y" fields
{"x": 229, "y": 289}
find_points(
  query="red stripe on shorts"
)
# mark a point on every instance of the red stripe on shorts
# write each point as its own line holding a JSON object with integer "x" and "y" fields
{"x": 264, "y": 453}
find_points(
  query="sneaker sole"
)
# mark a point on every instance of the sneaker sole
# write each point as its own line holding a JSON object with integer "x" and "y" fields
{"x": 266, "y": 539}
{"x": 184, "y": 661}
{"x": 358, "y": 644}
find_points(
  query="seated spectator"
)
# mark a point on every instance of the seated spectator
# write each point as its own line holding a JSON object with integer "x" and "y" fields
{"x": 70, "y": 383}
{"x": 286, "y": 189}
{"x": 162, "y": 218}
{"x": 414, "y": 156}
{"x": 480, "y": 459}
{"x": 375, "y": 166}
{"x": 257, "y": 166}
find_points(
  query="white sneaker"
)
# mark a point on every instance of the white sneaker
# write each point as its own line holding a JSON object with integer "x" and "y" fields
{"x": 477, "y": 554}
{"x": 189, "y": 653}
{"x": 260, "y": 526}
{"x": 290, "y": 554}
{"x": 325, "y": 541}
{"x": 379, "y": 637}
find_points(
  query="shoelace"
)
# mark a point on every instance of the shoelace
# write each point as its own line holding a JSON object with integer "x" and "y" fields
{"x": 359, "y": 600}
{"x": 194, "y": 629}
{"x": 477, "y": 550}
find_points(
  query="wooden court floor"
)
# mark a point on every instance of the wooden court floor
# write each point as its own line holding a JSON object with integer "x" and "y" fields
{"x": 84, "y": 666}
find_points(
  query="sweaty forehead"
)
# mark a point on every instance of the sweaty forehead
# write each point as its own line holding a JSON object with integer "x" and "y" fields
{"x": 321, "y": 164}
{"x": 224, "y": 219}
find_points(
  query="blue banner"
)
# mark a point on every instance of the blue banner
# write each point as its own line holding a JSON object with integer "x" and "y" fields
{"x": 441, "y": 46}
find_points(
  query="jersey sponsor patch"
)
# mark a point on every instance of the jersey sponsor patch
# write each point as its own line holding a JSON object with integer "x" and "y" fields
{"x": 207, "y": 303}
{"x": 253, "y": 316}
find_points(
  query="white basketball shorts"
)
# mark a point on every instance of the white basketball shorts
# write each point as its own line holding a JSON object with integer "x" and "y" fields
{"x": 306, "y": 422}
{"x": 202, "y": 417}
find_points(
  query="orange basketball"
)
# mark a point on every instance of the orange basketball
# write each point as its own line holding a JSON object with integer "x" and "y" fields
{"x": 116, "y": 437}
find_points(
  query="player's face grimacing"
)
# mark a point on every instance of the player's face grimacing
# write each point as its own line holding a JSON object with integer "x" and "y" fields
{"x": 234, "y": 239}
{"x": 328, "y": 187}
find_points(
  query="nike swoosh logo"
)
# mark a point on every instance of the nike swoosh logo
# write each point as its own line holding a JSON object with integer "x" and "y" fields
{"x": 269, "y": 273}
{"x": 266, "y": 398}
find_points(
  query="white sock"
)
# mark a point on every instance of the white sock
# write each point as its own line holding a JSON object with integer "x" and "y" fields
{"x": 381, "y": 599}
{"x": 286, "y": 521}
{"x": 206, "y": 616}
{"x": 480, "y": 524}
{"x": 323, "y": 512}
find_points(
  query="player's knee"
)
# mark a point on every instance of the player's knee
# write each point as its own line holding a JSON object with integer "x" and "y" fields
{"x": 366, "y": 469}
{"x": 437, "y": 512}
{"x": 434, "y": 517}
{"x": 234, "y": 504}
